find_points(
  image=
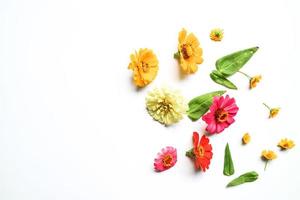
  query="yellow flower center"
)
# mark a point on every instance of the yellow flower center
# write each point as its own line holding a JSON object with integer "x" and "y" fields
{"x": 221, "y": 115}
{"x": 165, "y": 106}
{"x": 201, "y": 151}
{"x": 167, "y": 160}
{"x": 186, "y": 51}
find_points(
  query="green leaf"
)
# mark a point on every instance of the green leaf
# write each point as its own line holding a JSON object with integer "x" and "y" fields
{"x": 244, "y": 178}
{"x": 220, "y": 79}
{"x": 200, "y": 105}
{"x": 228, "y": 169}
{"x": 230, "y": 64}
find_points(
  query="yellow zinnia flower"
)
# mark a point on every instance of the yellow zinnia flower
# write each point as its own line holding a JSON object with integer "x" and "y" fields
{"x": 268, "y": 155}
{"x": 285, "y": 144}
{"x": 246, "y": 138}
{"x": 189, "y": 52}
{"x": 165, "y": 105}
{"x": 254, "y": 81}
{"x": 144, "y": 65}
{"x": 216, "y": 34}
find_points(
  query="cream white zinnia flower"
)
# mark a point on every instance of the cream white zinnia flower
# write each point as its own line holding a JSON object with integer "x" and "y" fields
{"x": 166, "y": 105}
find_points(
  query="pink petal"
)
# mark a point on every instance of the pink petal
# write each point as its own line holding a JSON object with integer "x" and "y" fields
{"x": 229, "y": 101}
{"x": 230, "y": 120}
{"x": 220, "y": 127}
{"x": 220, "y": 101}
{"x": 211, "y": 128}
{"x": 225, "y": 102}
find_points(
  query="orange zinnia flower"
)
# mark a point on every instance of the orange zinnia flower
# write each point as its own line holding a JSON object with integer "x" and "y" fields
{"x": 144, "y": 65}
{"x": 189, "y": 52}
{"x": 202, "y": 151}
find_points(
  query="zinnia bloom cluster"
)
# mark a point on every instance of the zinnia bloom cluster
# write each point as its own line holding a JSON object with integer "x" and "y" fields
{"x": 189, "y": 52}
{"x": 165, "y": 159}
{"x": 166, "y": 105}
{"x": 144, "y": 65}
{"x": 221, "y": 114}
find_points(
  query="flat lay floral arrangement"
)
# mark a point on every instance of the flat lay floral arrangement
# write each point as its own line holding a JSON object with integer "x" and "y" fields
{"x": 215, "y": 108}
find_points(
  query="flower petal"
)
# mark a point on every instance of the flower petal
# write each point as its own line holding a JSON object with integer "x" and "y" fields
{"x": 195, "y": 139}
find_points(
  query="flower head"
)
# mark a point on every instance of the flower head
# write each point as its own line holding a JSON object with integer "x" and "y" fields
{"x": 268, "y": 155}
{"x": 221, "y": 114}
{"x": 165, "y": 105}
{"x": 246, "y": 138}
{"x": 274, "y": 112}
{"x": 216, "y": 34}
{"x": 285, "y": 144}
{"x": 165, "y": 159}
{"x": 201, "y": 152}
{"x": 144, "y": 65}
{"x": 254, "y": 81}
{"x": 189, "y": 52}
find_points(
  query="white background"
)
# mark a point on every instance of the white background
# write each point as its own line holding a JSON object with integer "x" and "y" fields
{"x": 73, "y": 126}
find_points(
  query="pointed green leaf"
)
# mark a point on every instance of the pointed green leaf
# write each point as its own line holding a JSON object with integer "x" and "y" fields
{"x": 200, "y": 105}
{"x": 220, "y": 79}
{"x": 244, "y": 178}
{"x": 228, "y": 169}
{"x": 230, "y": 64}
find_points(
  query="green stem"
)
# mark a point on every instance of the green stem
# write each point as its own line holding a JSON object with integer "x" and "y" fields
{"x": 266, "y": 165}
{"x": 249, "y": 77}
{"x": 267, "y": 106}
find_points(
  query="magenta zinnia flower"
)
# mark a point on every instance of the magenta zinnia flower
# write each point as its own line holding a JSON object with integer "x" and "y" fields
{"x": 166, "y": 159}
{"x": 221, "y": 114}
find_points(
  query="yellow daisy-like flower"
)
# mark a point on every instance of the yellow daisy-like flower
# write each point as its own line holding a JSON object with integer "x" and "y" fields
{"x": 268, "y": 155}
{"x": 285, "y": 144}
{"x": 144, "y": 65}
{"x": 274, "y": 112}
{"x": 216, "y": 34}
{"x": 189, "y": 52}
{"x": 254, "y": 81}
{"x": 246, "y": 138}
{"x": 165, "y": 105}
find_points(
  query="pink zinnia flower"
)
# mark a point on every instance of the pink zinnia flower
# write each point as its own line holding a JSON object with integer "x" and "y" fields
{"x": 166, "y": 159}
{"x": 221, "y": 114}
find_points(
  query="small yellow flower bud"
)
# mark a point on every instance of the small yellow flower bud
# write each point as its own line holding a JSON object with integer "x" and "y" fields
{"x": 254, "y": 81}
{"x": 246, "y": 138}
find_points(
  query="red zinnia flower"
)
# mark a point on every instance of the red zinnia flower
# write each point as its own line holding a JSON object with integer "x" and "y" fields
{"x": 221, "y": 114}
{"x": 202, "y": 152}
